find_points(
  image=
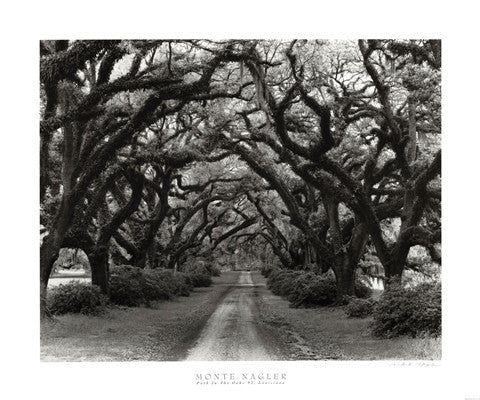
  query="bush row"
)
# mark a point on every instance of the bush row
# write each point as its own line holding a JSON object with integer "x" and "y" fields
{"x": 202, "y": 269}
{"x": 412, "y": 311}
{"x": 129, "y": 286}
{"x": 307, "y": 289}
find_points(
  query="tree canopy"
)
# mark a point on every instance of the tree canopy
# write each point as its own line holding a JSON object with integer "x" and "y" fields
{"x": 317, "y": 154}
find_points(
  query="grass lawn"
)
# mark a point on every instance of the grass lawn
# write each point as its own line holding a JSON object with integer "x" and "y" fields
{"x": 163, "y": 332}
{"x": 126, "y": 334}
{"x": 326, "y": 333}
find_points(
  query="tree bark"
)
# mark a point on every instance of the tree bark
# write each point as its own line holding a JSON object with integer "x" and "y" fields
{"x": 345, "y": 278}
{"x": 48, "y": 255}
{"x": 99, "y": 254}
{"x": 99, "y": 265}
{"x": 51, "y": 246}
{"x": 412, "y": 131}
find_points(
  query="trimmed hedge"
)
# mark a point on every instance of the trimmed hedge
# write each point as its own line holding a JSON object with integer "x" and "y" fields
{"x": 125, "y": 286}
{"x": 132, "y": 287}
{"x": 409, "y": 311}
{"x": 200, "y": 280}
{"x": 359, "y": 308}
{"x": 196, "y": 269}
{"x": 75, "y": 297}
{"x": 129, "y": 286}
{"x": 214, "y": 271}
{"x": 183, "y": 284}
{"x": 200, "y": 275}
{"x": 178, "y": 284}
{"x": 202, "y": 268}
{"x": 156, "y": 286}
{"x": 308, "y": 289}
{"x": 268, "y": 269}
{"x": 281, "y": 282}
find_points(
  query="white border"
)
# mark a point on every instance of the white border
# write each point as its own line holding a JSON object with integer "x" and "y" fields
{"x": 24, "y": 24}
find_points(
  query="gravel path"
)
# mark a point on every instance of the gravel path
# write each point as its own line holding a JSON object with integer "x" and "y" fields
{"x": 233, "y": 332}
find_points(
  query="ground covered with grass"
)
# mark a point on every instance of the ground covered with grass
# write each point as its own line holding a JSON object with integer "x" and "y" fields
{"x": 158, "y": 333}
{"x": 326, "y": 333}
{"x": 166, "y": 330}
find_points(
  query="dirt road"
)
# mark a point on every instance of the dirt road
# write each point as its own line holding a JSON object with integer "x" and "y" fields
{"x": 237, "y": 318}
{"x": 234, "y": 331}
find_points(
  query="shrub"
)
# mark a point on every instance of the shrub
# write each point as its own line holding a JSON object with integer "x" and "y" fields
{"x": 164, "y": 277}
{"x": 200, "y": 280}
{"x": 311, "y": 289}
{"x": 281, "y": 282}
{"x": 268, "y": 269}
{"x": 307, "y": 289}
{"x": 127, "y": 270}
{"x": 201, "y": 268}
{"x": 359, "y": 308}
{"x": 196, "y": 269}
{"x": 362, "y": 291}
{"x": 302, "y": 288}
{"x": 75, "y": 297}
{"x": 126, "y": 286}
{"x": 273, "y": 275}
{"x": 409, "y": 311}
{"x": 187, "y": 278}
{"x": 131, "y": 286}
{"x": 156, "y": 286}
{"x": 182, "y": 286}
{"x": 177, "y": 283}
{"x": 215, "y": 271}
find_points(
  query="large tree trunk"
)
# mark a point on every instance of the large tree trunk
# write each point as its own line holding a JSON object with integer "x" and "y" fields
{"x": 394, "y": 268}
{"x": 144, "y": 251}
{"x": 172, "y": 262}
{"x": 63, "y": 219}
{"x": 98, "y": 259}
{"x": 152, "y": 255}
{"x": 48, "y": 255}
{"x": 140, "y": 258}
{"x": 348, "y": 254}
{"x": 100, "y": 252}
{"x": 345, "y": 279}
{"x": 343, "y": 269}
{"x": 284, "y": 258}
{"x": 51, "y": 246}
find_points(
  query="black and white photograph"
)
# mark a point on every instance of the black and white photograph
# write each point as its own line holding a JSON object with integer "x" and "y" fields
{"x": 242, "y": 201}
{"x": 219, "y": 200}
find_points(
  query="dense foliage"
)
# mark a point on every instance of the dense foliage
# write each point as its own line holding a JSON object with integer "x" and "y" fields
{"x": 409, "y": 311}
{"x": 359, "y": 308}
{"x": 308, "y": 289}
{"x": 133, "y": 286}
{"x": 76, "y": 297}
{"x": 126, "y": 286}
{"x": 200, "y": 280}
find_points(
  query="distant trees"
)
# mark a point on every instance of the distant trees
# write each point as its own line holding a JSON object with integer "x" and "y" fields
{"x": 153, "y": 152}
